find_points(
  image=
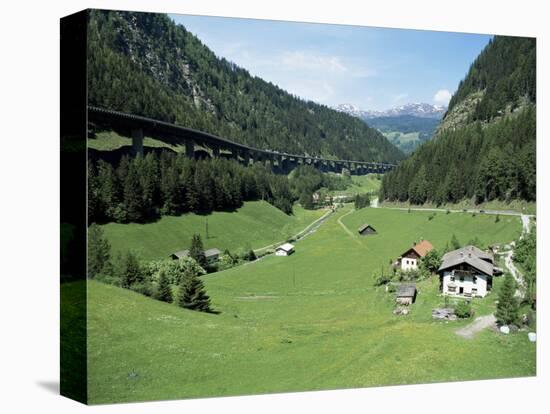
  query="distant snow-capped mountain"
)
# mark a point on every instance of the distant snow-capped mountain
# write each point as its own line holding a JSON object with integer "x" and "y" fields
{"x": 420, "y": 110}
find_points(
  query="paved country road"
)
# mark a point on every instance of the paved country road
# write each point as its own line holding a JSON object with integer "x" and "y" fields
{"x": 375, "y": 204}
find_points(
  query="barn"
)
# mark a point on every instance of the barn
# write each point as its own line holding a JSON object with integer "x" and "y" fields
{"x": 406, "y": 294}
{"x": 366, "y": 229}
{"x": 284, "y": 250}
{"x": 212, "y": 255}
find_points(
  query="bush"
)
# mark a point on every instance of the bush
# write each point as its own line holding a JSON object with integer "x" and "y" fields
{"x": 463, "y": 309}
{"x": 431, "y": 262}
{"x": 144, "y": 288}
{"x": 174, "y": 269}
{"x": 382, "y": 279}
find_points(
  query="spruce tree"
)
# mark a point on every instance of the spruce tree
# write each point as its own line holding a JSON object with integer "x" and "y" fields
{"x": 130, "y": 270}
{"x": 192, "y": 294}
{"x": 507, "y": 307}
{"x": 164, "y": 291}
{"x": 99, "y": 251}
{"x": 196, "y": 251}
{"x": 455, "y": 244}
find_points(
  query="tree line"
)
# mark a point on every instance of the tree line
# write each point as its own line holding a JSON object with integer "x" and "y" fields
{"x": 144, "y": 188}
{"x": 154, "y": 279}
{"x": 145, "y": 64}
{"x": 492, "y": 162}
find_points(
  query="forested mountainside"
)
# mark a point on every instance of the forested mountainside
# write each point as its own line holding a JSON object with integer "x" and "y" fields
{"x": 506, "y": 73}
{"x": 490, "y": 153}
{"x": 145, "y": 64}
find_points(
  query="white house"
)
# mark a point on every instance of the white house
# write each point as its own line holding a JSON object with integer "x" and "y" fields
{"x": 467, "y": 272}
{"x": 410, "y": 259}
{"x": 284, "y": 249}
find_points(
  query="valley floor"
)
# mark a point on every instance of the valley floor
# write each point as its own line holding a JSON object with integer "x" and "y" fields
{"x": 309, "y": 321}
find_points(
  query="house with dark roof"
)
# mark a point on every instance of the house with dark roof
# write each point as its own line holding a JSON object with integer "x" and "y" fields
{"x": 410, "y": 258}
{"x": 405, "y": 294}
{"x": 366, "y": 229}
{"x": 212, "y": 255}
{"x": 467, "y": 272}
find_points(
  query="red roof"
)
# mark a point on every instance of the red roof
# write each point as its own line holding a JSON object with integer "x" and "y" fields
{"x": 423, "y": 248}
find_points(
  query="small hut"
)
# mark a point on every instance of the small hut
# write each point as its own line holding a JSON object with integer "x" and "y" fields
{"x": 366, "y": 229}
{"x": 211, "y": 255}
{"x": 406, "y": 294}
{"x": 284, "y": 250}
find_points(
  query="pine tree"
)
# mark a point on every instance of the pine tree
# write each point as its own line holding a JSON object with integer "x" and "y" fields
{"x": 196, "y": 251}
{"x": 99, "y": 251}
{"x": 507, "y": 307}
{"x": 164, "y": 290}
{"x": 133, "y": 201}
{"x": 192, "y": 294}
{"x": 130, "y": 270}
{"x": 455, "y": 244}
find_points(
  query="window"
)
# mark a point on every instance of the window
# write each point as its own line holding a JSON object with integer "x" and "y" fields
{"x": 474, "y": 291}
{"x": 461, "y": 278}
{"x": 451, "y": 289}
{"x": 474, "y": 279}
{"x": 452, "y": 278}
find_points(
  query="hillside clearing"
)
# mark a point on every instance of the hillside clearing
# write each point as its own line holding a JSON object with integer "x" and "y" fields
{"x": 254, "y": 225}
{"x": 313, "y": 321}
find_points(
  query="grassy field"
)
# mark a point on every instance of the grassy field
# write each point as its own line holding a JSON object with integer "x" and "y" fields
{"x": 310, "y": 321}
{"x": 254, "y": 225}
{"x": 110, "y": 140}
{"x": 361, "y": 184}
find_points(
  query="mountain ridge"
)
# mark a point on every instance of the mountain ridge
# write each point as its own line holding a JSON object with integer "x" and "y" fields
{"x": 145, "y": 64}
{"x": 417, "y": 109}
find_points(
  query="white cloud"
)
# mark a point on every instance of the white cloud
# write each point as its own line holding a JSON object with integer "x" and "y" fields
{"x": 442, "y": 97}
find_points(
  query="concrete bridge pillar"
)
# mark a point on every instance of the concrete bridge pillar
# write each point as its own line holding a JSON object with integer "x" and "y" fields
{"x": 246, "y": 157}
{"x": 137, "y": 142}
{"x": 190, "y": 148}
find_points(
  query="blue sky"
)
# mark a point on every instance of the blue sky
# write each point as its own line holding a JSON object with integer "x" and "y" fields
{"x": 372, "y": 68}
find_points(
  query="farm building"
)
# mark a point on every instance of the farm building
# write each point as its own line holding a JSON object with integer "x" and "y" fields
{"x": 212, "y": 255}
{"x": 409, "y": 259}
{"x": 284, "y": 250}
{"x": 366, "y": 229}
{"x": 405, "y": 294}
{"x": 467, "y": 272}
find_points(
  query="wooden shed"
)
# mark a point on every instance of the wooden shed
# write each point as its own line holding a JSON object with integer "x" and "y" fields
{"x": 406, "y": 294}
{"x": 366, "y": 229}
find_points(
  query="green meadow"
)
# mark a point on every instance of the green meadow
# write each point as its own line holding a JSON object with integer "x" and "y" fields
{"x": 110, "y": 140}
{"x": 309, "y": 321}
{"x": 361, "y": 184}
{"x": 255, "y": 225}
